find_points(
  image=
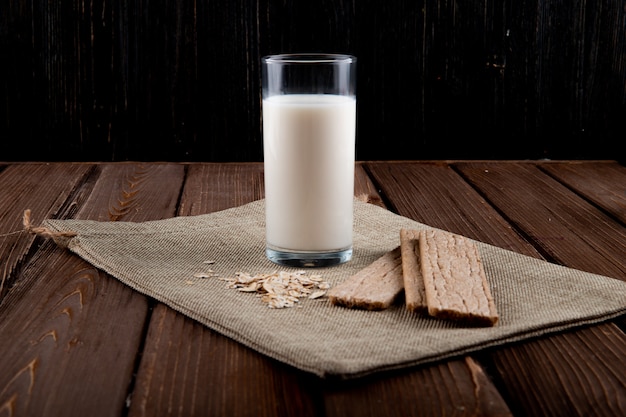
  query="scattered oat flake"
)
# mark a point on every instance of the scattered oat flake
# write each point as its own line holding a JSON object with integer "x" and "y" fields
{"x": 317, "y": 294}
{"x": 250, "y": 288}
{"x": 279, "y": 289}
{"x": 208, "y": 262}
{"x": 323, "y": 286}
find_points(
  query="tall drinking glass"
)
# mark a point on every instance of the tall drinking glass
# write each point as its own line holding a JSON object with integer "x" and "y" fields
{"x": 309, "y": 126}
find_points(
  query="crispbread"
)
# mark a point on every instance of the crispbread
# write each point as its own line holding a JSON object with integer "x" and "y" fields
{"x": 455, "y": 283}
{"x": 414, "y": 294}
{"x": 374, "y": 287}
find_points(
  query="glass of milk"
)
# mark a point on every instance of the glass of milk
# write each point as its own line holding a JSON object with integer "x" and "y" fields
{"x": 309, "y": 125}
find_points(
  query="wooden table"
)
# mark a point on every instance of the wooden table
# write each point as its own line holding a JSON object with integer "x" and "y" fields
{"x": 76, "y": 342}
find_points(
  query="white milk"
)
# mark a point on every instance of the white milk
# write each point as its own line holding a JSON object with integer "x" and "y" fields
{"x": 308, "y": 143}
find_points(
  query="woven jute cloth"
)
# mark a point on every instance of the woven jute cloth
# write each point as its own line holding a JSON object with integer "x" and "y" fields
{"x": 160, "y": 259}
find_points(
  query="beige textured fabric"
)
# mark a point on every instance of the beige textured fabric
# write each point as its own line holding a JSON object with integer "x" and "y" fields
{"x": 159, "y": 259}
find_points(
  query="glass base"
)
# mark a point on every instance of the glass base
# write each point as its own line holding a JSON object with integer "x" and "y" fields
{"x": 308, "y": 259}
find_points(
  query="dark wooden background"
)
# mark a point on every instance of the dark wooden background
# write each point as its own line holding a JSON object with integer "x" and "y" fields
{"x": 179, "y": 80}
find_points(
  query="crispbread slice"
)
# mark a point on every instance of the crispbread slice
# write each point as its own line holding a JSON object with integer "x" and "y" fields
{"x": 374, "y": 287}
{"x": 454, "y": 279}
{"x": 414, "y": 294}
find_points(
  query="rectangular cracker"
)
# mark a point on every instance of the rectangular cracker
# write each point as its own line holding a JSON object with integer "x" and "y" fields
{"x": 414, "y": 293}
{"x": 454, "y": 279}
{"x": 375, "y": 287}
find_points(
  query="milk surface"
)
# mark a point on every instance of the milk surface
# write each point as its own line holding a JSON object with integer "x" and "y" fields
{"x": 308, "y": 143}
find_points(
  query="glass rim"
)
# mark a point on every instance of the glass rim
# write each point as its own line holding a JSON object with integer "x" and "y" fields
{"x": 309, "y": 58}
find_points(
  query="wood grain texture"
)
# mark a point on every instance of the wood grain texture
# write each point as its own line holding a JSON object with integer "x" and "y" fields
{"x": 549, "y": 215}
{"x": 589, "y": 363}
{"x": 23, "y": 187}
{"x": 457, "y": 387}
{"x": 418, "y": 190}
{"x": 214, "y": 187}
{"x": 210, "y": 375}
{"x": 76, "y": 342}
{"x": 180, "y": 81}
{"x": 604, "y": 184}
{"x": 62, "y": 313}
{"x": 65, "y": 318}
{"x": 135, "y": 192}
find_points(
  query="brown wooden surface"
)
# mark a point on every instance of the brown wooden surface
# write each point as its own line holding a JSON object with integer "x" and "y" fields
{"x": 76, "y": 342}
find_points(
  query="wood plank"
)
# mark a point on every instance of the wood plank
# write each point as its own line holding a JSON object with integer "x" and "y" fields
{"x": 134, "y": 192}
{"x": 205, "y": 373}
{"x": 566, "y": 374}
{"x": 433, "y": 193}
{"x": 63, "y": 327}
{"x": 603, "y": 183}
{"x": 65, "y": 313}
{"x": 552, "y": 217}
{"x": 196, "y": 371}
{"x": 451, "y": 388}
{"x": 364, "y": 188}
{"x": 23, "y": 187}
{"x": 214, "y": 187}
{"x": 401, "y": 182}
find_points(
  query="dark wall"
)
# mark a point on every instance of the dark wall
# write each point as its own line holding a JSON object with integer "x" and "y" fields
{"x": 179, "y": 80}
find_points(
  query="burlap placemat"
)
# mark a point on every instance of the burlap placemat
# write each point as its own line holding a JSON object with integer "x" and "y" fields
{"x": 160, "y": 259}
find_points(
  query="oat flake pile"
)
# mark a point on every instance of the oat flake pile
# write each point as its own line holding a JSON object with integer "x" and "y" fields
{"x": 213, "y": 269}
